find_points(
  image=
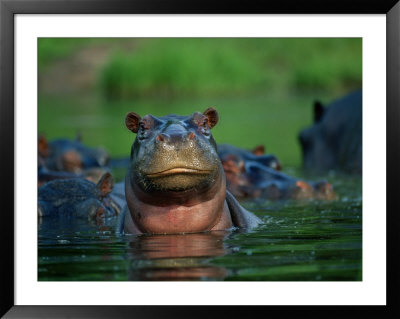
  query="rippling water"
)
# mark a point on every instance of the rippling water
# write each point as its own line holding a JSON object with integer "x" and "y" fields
{"x": 299, "y": 241}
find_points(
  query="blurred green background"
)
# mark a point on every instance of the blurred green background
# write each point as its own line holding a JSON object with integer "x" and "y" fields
{"x": 263, "y": 88}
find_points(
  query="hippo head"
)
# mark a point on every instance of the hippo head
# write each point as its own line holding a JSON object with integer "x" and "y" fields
{"x": 334, "y": 141}
{"x": 174, "y": 153}
{"x": 318, "y": 142}
{"x": 246, "y": 171}
{"x": 77, "y": 197}
{"x": 70, "y": 155}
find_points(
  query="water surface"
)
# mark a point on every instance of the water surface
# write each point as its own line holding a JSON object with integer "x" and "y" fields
{"x": 299, "y": 241}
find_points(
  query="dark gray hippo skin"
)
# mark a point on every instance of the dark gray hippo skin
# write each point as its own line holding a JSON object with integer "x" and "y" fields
{"x": 78, "y": 198}
{"x": 45, "y": 175}
{"x": 226, "y": 151}
{"x": 69, "y": 155}
{"x": 253, "y": 174}
{"x": 91, "y": 174}
{"x": 175, "y": 182}
{"x": 334, "y": 142}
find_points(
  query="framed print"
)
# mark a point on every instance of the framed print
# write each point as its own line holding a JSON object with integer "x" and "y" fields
{"x": 259, "y": 75}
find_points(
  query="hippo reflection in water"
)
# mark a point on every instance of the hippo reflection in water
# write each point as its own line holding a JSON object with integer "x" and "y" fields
{"x": 334, "y": 142}
{"x": 177, "y": 256}
{"x": 175, "y": 182}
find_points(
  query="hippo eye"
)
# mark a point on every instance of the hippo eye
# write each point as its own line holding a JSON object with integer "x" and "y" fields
{"x": 142, "y": 131}
{"x": 204, "y": 128}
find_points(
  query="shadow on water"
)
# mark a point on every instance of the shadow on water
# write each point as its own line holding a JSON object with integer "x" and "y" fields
{"x": 299, "y": 241}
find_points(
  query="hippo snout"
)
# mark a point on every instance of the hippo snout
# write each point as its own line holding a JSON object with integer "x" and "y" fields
{"x": 174, "y": 135}
{"x": 173, "y": 138}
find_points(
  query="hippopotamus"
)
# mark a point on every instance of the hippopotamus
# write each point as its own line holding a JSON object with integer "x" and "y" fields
{"x": 45, "y": 175}
{"x": 257, "y": 154}
{"x": 93, "y": 174}
{"x": 69, "y": 155}
{"x": 175, "y": 182}
{"x": 334, "y": 142}
{"x": 78, "y": 198}
{"x": 253, "y": 174}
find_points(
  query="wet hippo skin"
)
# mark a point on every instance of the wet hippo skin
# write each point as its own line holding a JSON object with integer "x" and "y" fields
{"x": 69, "y": 155}
{"x": 251, "y": 174}
{"x": 175, "y": 182}
{"x": 77, "y": 198}
{"x": 334, "y": 142}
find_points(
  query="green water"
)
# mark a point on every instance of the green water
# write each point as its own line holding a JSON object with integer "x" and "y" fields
{"x": 299, "y": 241}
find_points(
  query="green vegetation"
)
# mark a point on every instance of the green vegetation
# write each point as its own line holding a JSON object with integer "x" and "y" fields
{"x": 177, "y": 67}
{"x": 52, "y": 49}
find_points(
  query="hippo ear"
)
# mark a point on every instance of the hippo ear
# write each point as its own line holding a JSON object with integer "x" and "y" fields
{"x": 319, "y": 110}
{"x": 105, "y": 184}
{"x": 43, "y": 146}
{"x": 259, "y": 150}
{"x": 132, "y": 121}
{"x": 212, "y": 116}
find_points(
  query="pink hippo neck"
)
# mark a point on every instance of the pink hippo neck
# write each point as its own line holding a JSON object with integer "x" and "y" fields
{"x": 200, "y": 212}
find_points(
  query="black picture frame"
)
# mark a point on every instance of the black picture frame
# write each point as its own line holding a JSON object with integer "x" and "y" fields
{"x": 8, "y": 10}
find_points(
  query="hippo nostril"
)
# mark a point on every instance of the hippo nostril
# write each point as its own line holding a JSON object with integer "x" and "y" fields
{"x": 191, "y": 136}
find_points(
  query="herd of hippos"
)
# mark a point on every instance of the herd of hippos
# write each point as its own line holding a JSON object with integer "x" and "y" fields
{"x": 179, "y": 180}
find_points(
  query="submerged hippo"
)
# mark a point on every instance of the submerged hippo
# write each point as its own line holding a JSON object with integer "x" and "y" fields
{"x": 249, "y": 175}
{"x": 93, "y": 174}
{"x": 69, "y": 155}
{"x": 175, "y": 182}
{"x": 334, "y": 142}
{"x": 226, "y": 151}
{"x": 77, "y": 198}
